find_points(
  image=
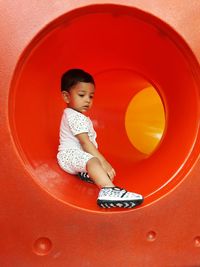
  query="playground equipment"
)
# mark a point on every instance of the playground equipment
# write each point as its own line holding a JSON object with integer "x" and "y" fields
{"x": 50, "y": 218}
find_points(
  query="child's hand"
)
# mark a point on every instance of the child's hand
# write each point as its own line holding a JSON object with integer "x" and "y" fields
{"x": 109, "y": 170}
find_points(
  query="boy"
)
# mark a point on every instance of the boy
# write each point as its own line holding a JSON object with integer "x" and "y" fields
{"x": 78, "y": 151}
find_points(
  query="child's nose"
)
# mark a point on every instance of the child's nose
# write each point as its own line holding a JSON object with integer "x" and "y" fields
{"x": 88, "y": 99}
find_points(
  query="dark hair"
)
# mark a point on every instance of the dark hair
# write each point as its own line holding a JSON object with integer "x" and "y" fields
{"x": 73, "y": 76}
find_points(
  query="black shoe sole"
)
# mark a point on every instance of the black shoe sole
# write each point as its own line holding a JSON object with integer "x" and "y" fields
{"x": 85, "y": 179}
{"x": 119, "y": 204}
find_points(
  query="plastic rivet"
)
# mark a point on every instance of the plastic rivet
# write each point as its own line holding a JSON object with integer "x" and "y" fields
{"x": 42, "y": 246}
{"x": 151, "y": 236}
{"x": 197, "y": 241}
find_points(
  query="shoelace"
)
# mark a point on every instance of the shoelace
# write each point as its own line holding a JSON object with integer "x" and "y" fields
{"x": 114, "y": 192}
{"x": 118, "y": 192}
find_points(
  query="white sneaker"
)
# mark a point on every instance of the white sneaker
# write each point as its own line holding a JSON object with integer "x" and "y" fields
{"x": 110, "y": 197}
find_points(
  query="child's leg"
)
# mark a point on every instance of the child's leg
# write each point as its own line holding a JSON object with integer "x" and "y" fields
{"x": 97, "y": 173}
{"x": 110, "y": 196}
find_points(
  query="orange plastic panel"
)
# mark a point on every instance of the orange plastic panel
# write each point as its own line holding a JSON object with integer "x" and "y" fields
{"x": 50, "y": 218}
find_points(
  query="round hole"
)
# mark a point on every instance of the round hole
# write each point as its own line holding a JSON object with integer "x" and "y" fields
{"x": 126, "y": 50}
{"x": 145, "y": 120}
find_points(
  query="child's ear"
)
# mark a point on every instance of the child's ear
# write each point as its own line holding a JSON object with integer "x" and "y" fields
{"x": 66, "y": 96}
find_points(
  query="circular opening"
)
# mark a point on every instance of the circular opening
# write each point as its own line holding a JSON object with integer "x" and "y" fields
{"x": 126, "y": 50}
{"x": 145, "y": 120}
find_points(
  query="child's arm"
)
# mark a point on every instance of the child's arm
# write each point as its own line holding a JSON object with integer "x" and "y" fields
{"x": 89, "y": 147}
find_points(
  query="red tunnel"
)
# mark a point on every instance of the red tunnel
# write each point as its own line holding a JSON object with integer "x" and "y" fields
{"x": 126, "y": 48}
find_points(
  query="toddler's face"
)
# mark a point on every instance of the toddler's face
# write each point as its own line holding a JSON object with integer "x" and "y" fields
{"x": 80, "y": 97}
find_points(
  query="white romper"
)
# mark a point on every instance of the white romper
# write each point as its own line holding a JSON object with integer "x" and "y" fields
{"x": 71, "y": 157}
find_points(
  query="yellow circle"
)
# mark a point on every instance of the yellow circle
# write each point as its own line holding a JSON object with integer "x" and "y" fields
{"x": 145, "y": 120}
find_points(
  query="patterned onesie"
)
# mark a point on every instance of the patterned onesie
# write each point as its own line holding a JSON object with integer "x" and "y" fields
{"x": 71, "y": 157}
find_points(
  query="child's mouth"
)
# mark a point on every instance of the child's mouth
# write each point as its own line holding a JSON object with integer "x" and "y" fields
{"x": 85, "y": 107}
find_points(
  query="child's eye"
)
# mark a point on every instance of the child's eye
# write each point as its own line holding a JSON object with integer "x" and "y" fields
{"x": 81, "y": 95}
{"x": 91, "y": 96}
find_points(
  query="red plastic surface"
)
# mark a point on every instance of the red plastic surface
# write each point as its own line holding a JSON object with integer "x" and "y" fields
{"x": 52, "y": 218}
